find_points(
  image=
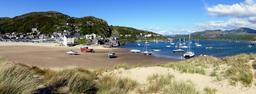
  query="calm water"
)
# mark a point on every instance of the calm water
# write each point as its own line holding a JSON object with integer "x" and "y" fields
{"x": 209, "y": 47}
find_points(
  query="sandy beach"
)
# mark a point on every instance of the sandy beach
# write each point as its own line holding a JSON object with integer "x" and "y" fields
{"x": 51, "y": 55}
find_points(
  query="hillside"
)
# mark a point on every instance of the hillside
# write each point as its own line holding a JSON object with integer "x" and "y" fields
{"x": 52, "y": 21}
{"x": 235, "y": 34}
{"x": 132, "y": 34}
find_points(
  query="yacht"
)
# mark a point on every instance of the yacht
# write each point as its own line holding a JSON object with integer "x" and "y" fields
{"x": 197, "y": 44}
{"x": 178, "y": 46}
{"x": 146, "y": 52}
{"x": 189, "y": 53}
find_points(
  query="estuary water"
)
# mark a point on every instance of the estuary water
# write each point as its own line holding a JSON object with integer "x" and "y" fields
{"x": 208, "y": 47}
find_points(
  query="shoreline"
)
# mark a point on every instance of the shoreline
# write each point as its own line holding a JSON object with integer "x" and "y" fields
{"x": 45, "y": 55}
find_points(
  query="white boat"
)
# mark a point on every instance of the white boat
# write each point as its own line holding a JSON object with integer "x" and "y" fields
{"x": 250, "y": 46}
{"x": 178, "y": 50}
{"x": 156, "y": 50}
{"x": 178, "y": 46}
{"x": 135, "y": 51}
{"x": 189, "y": 53}
{"x": 184, "y": 47}
{"x": 168, "y": 46}
{"x": 198, "y": 45}
{"x": 210, "y": 47}
{"x": 172, "y": 43}
{"x": 147, "y": 53}
{"x": 139, "y": 44}
{"x": 71, "y": 52}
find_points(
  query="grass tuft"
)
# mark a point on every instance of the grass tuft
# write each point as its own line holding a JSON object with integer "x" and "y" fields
{"x": 114, "y": 85}
{"x": 159, "y": 84}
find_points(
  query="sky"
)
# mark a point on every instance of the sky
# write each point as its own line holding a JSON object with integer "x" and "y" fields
{"x": 167, "y": 17}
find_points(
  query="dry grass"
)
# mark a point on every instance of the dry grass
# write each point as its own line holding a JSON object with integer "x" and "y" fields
{"x": 235, "y": 68}
{"x": 196, "y": 65}
{"x": 208, "y": 90}
{"x": 18, "y": 78}
{"x": 110, "y": 84}
{"x": 239, "y": 69}
{"x": 159, "y": 84}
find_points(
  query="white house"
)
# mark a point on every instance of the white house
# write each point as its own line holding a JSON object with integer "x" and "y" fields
{"x": 90, "y": 36}
{"x": 68, "y": 40}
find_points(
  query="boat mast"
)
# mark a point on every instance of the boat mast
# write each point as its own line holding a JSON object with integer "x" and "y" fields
{"x": 146, "y": 45}
{"x": 189, "y": 42}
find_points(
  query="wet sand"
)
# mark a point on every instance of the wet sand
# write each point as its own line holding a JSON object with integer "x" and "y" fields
{"x": 56, "y": 57}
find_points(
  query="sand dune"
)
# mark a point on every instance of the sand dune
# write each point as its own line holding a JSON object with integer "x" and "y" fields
{"x": 141, "y": 74}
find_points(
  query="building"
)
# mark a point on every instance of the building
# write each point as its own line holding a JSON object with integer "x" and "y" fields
{"x": 90, "y": 36}
{"x": 68, "y": 40}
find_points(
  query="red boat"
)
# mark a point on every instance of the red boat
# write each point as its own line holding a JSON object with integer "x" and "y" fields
{"x": 86, "y": 49}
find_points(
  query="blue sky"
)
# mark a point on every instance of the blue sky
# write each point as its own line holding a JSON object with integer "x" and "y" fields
{"x": 163, "y": 16}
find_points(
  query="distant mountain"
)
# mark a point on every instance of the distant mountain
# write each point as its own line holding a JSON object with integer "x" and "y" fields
{"x": 235, "y": 34}
{"x": 243, "y": 30}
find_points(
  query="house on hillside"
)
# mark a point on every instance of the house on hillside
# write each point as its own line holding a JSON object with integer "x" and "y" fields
{"x": 90, "y": 36}
{"x": 68, "y": 40}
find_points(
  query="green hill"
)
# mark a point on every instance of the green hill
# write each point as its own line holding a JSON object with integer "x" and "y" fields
{"x": 135, "y": 34}
{"x": 52, "y": 21}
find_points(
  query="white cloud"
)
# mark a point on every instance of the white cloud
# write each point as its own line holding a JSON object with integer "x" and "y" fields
{"x": 232, "y": 23}
{"x": 244, "y": 9}
{"x": 240, "y": 15}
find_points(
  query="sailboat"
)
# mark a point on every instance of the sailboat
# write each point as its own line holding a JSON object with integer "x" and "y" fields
{"x": 179, "y": 47}
{"x": 189, "y": 53}
{"x": 138, "y": 43}
{"x": 197, "y": 44}
{"x": 146, "y": 52}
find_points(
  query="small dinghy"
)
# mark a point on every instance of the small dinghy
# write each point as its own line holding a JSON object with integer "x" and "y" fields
{"x": 156, "y": 50}
{"x": 147, "y": 53}
{"x": 72, "y": 52}
{"x": 135, "y": 51}
{"x": 188, "y": 55}
{"x": 178, "y": 50}
{"x": 112, "y": 55}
